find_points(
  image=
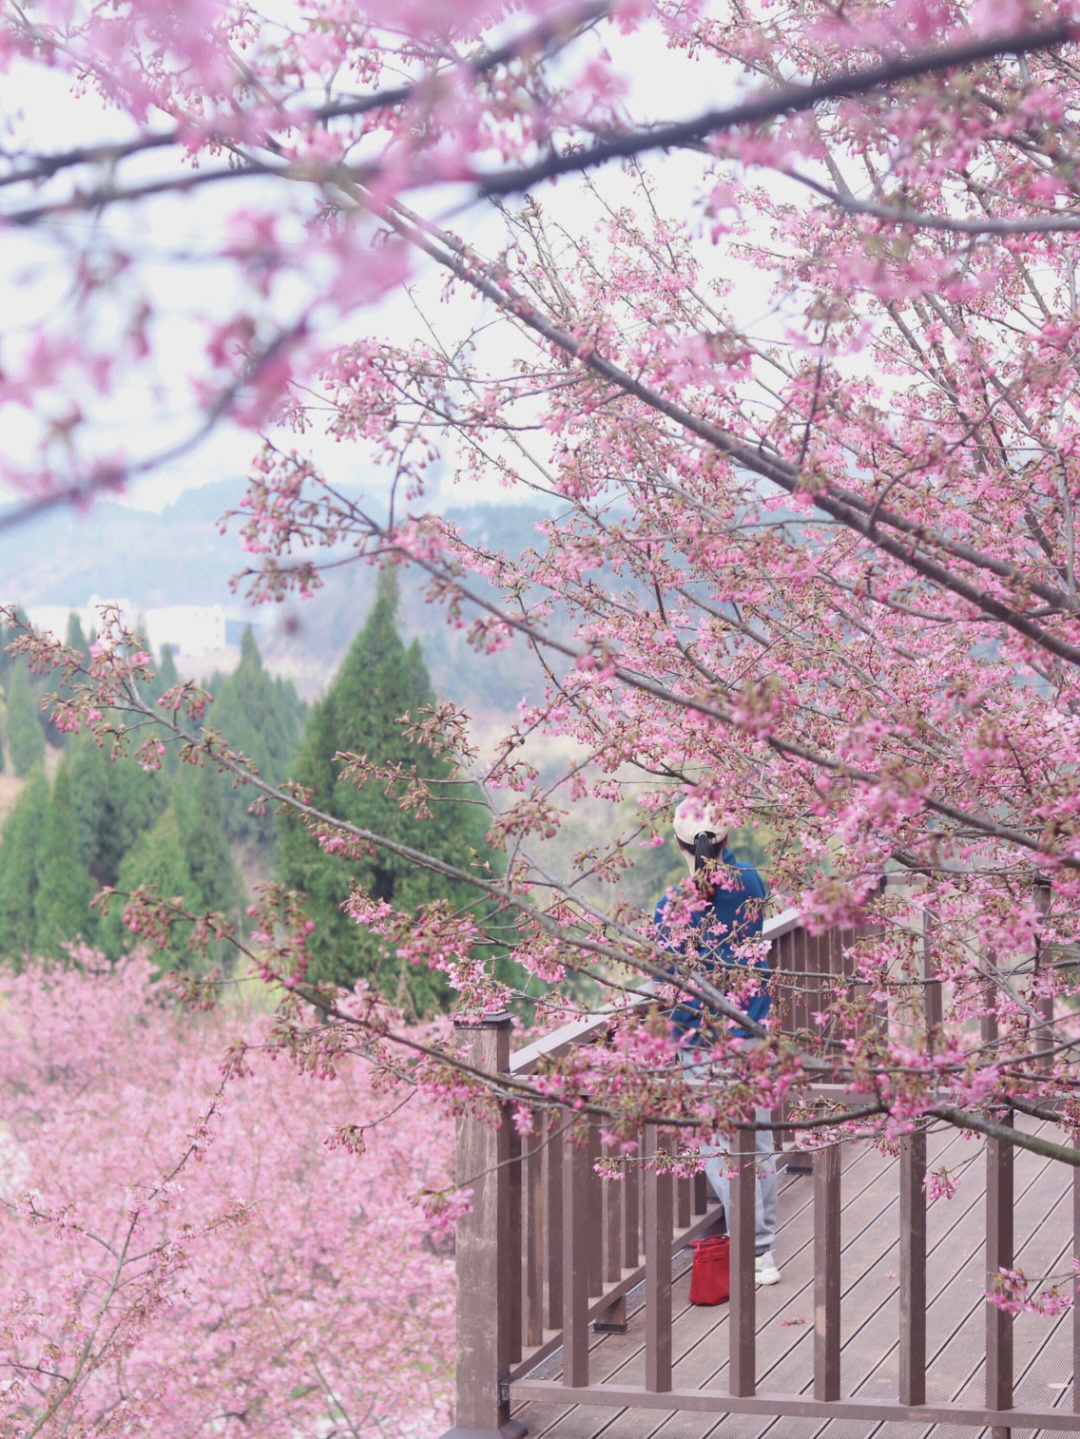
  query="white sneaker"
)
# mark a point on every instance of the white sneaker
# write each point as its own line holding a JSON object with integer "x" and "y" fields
{"x": 765, "y": 1270}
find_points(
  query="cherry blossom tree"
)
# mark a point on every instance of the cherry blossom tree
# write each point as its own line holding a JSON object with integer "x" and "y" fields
{"x": 795, "y": 373}
{"x": 165, "y": 1266}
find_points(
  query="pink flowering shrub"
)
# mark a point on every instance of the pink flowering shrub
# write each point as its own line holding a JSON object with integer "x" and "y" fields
{"x": 186, "y": 1254}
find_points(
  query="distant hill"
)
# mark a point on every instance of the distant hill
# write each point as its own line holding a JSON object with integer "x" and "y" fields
{"x": 178, "y": 556}
{"x": 175, "y": 557}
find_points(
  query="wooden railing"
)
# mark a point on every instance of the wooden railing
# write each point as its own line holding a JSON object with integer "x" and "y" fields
{"x": 551, "y": 1249}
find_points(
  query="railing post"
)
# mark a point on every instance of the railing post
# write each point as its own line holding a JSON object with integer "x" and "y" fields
{"x": 485, "y": 1255}
{"x": 1044, "y": 1004}
{"x": 999, "y": 1255}
{"x": 933, "y": 996}
{"x": 827, "y": 1273}
{"x": 595, "y": 1249}
{"x": 630, "y": 1217}
{"x": 579, "y": 1221}
{"x": 701, "y": 1192}
{"x": 514, "y": 1249}
{"x": 913, "y": 1268}
{"x": 534, "y": 1239}
{"x": 682, "y": 1202}
{"x": 658, "y": 1232}
{"x": 999, "y": 1238}
{"x": 613, "y": 1319}
{"x": 1076, "y": 1307}
{"x": 612, "y": 1190}
{"x": 742, "y": 1328}
{"x": 553, "y": 1236}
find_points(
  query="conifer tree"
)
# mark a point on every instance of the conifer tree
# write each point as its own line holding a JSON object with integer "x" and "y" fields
{"x": 8, "y": 633}
{"x": 185, "y": 855}
{"x": 165, "y": 676}
{"x": 26, "y": 743}
{"x": 199, "y": 801}
{"x": 156, "y": 858}
{"x": 260, "y": 717}
{"x": 63, "y": 885}
{"x": 75, "y": 639}
{"x": 112, "y": 804}
{"x": 379, "y": 680}
{"x": 19, "y": 871}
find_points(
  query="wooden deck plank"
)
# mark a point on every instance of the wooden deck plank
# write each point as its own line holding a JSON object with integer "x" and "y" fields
{"x": 701, "y": 1333}
{"x": 956, "y": 1304}
{"x": 700, "y": 1346}
{"x": 868, "y": 1248}
{"x": 1031, "y": 1349}
{"x": 698, "y": 1329}
{"x": 956, "y": 1311}
{"x": 1059, "y": 1341}
{"x": 869, "y": 1230}
{"x": 613, "y": 1355}
{"x": 870, "y": 1311}
{"x": 1041, "y": 1358}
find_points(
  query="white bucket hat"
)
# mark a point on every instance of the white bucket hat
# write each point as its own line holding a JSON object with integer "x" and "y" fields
{"x": 694, "y": 817}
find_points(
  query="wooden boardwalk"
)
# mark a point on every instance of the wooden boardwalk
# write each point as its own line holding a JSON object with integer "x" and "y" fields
{"x": 956, "y": 1283}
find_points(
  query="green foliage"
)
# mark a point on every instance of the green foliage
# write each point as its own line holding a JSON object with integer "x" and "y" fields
{"x": 165, "y": 676}
{"x": 260, "y": 718}
{"x": 378, "y": 682}
{"x": 112, "y": 805}
{"x": 26, "y": 742}
{"x": 19, "y": 870}
{"x": 75, "y": 639}
{"x": 198, "y": 800}
{"x": 157, "y": 858}
{"x": 64, "y": 887}
{"x": 9, "y": 662}
{"x": 113, "y": 824}
{"x": 186, "y": 856}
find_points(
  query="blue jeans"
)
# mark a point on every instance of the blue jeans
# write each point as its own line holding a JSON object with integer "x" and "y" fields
{"x": 717, "y": 1162}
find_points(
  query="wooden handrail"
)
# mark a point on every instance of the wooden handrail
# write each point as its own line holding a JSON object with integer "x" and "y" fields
{"x": 549, "y": 1249}
{"x": 582, "y": 1031}
{"x": 579, "y": 1031}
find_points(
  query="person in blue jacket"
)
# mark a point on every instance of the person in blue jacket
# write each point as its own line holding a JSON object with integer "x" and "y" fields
{"x": 734, "y": 914}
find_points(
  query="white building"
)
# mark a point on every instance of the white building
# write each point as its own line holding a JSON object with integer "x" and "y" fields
{"x": 189, "y": 629}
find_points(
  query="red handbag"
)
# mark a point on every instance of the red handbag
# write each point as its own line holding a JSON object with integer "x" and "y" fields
{"x": 710, "y": 1276}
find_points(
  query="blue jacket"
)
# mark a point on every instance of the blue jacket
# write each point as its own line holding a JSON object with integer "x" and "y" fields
{"x": 726, "y": 918}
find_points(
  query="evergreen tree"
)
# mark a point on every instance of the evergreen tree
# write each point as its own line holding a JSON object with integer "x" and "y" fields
{"x": 63, "y": 891}
{"x": 26, "y": 742}
{"x": 261, "y": 718}
{"x": 112, "y": 805}
{"x": 18, "y": 870}
{"x": 379, "y": 680}
{"x": 165, "y": 676}
{"x": 185, "y": 854}
{"x": 198, "y": 799}
{"x": 75, "y": 639}
{"x": 156, "y": 858}
{"x": 10, "y": 662}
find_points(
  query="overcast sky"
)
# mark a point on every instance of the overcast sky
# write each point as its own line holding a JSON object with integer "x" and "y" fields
{"x": 178, "y": 237}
